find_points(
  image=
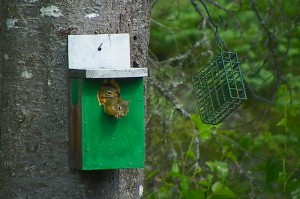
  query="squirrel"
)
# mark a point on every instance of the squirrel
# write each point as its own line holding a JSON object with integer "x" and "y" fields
{"x": 109, "y": 89}
{"x": 109, "y": 97}
{"x": 116, "y": 107}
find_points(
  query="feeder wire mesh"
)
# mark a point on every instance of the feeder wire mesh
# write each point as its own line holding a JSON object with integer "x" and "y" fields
{"x": 219, "y": 86}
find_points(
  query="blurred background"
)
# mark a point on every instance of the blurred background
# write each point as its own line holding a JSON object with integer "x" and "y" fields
{"x": 254, "y": 152}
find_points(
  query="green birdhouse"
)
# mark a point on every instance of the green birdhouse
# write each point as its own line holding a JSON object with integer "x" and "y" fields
{"x": 106, "y": 104}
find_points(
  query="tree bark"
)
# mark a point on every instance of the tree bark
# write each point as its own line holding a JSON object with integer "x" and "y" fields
{"x": 34, "y": 95}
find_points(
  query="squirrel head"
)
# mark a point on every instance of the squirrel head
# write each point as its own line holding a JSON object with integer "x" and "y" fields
{"x": 108, "y": 90}
{"x": 122, "y": 109}
{"x": 116, "y": 107}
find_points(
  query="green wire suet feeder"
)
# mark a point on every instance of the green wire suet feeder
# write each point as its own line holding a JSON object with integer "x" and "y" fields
{"x": 219, "y": 85}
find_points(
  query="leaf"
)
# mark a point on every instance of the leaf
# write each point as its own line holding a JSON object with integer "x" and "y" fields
{"x": 152, "y": 174}
{"x": 193, "y": 194}
{"x": 175, "y": 168}
{"x": 206, "y": 182}
{"x": 184, "y": 184}
{"x": 190, "y": 193}
{"x": 219, "y": 168}
{"x": 282, "y": 122}
{"x": 293, "y": 110}
{"x": 231, "y": 156}
{"x": 176, "y": 174}
{"x": 205, "y": 135}
{"x": 282, "y": 176}
{"x": 205, "y": 130}
{"x": 201, "y": 126}
{"x": 221, "y": 191}
{"x": 190, "y": 154}
{"x": 284, "y": 94}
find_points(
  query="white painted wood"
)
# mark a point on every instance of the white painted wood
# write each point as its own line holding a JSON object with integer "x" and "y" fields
{"x": 110, "y": 73}
{"x": 84, "y": 54}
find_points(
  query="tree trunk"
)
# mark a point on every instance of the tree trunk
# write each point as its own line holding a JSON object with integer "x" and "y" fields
{"x": 34, "y": 95}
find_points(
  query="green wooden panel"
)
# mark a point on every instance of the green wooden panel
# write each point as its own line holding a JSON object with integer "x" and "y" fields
{"x": 109, "y": 143}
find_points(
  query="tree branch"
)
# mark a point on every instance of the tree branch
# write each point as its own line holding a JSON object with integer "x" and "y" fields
{"x": 168, "y": 95}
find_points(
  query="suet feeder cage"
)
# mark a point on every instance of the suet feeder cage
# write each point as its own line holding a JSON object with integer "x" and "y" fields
{"x": 219, "y": 86}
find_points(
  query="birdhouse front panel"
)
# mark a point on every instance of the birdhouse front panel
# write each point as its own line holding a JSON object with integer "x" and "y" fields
{"x": 102, "y": 141}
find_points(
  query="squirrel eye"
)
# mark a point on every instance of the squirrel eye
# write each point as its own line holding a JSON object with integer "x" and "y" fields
{"x": 108, "y": 92}
{"x": 119, "y": 108}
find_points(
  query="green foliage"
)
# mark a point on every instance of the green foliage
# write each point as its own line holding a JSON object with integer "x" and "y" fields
{"x": 254, "y": 153}
{"x": 175, "y": 23}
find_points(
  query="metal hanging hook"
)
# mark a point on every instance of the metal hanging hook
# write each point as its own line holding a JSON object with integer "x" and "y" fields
{"x": 212, "y": 22}
{"x": 218, "y": 38}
